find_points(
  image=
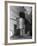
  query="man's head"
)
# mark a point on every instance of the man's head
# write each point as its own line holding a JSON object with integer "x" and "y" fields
{"x": 22, "y": 15}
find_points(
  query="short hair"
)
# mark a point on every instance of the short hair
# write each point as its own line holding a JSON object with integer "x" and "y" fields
{"x": 22, "y": 15}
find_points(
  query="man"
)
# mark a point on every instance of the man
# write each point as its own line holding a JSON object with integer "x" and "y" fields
{"x": 22, "y": 23}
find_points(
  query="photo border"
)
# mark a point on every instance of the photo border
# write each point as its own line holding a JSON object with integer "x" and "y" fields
{"x": 6, "y": 22}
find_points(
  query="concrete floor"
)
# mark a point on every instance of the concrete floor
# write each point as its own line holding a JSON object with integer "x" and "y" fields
{"x": 21, "y": 37}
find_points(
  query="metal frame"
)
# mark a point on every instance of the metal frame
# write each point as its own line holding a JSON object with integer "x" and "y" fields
{"x": 6, "y": 22}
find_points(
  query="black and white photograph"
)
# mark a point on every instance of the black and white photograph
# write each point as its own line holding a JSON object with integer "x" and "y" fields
{"x": 21, "y": 22}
